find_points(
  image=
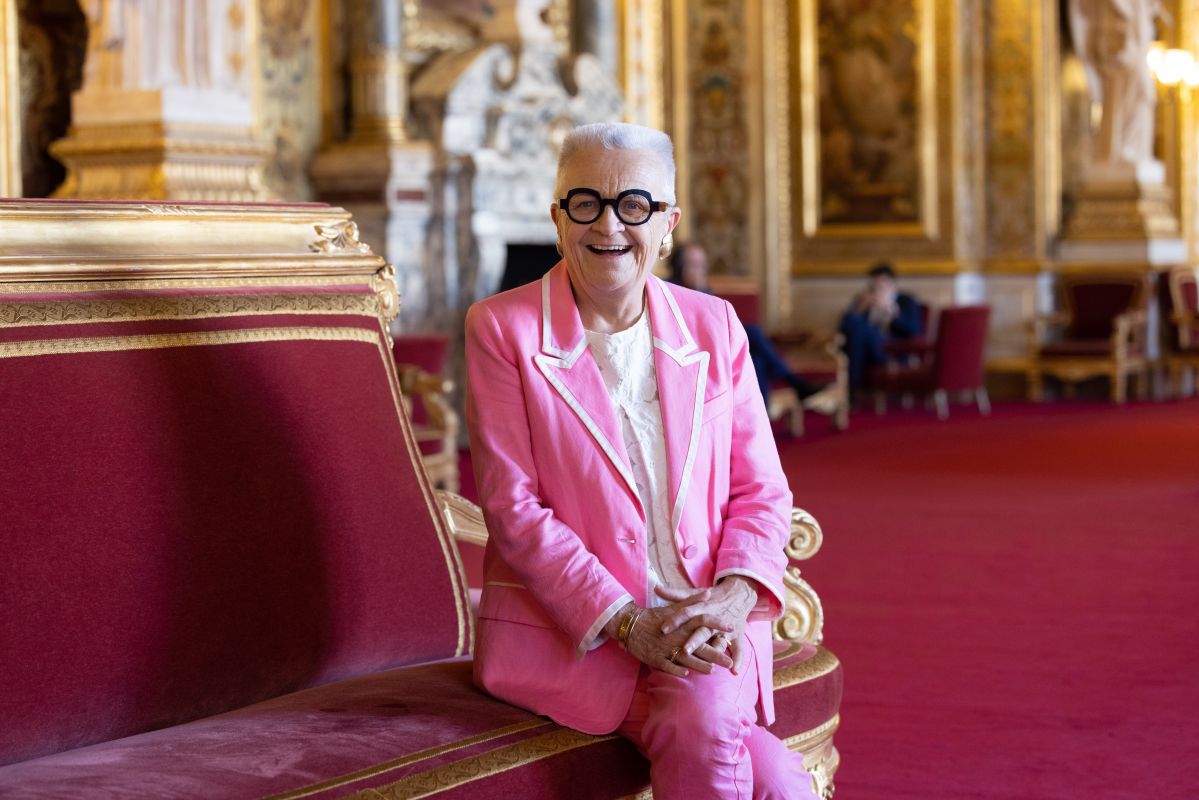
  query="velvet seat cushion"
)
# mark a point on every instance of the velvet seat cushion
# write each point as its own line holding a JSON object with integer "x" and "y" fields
{"x": 423, "y": 730}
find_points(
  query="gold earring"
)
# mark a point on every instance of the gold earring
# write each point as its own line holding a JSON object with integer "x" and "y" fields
{"x": 666, "y": 247}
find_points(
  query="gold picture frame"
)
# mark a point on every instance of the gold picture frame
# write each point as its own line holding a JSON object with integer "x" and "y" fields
{"x": 878, "y": 206}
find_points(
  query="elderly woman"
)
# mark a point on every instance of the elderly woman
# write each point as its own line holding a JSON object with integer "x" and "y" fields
{"x": 632, "y": 489}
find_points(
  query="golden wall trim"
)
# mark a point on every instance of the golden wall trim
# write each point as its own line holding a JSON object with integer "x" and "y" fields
{"x": 856, "y": 268}
{"x": 776, "y": 80}
{"x": 680, "y": 111}
{"x": 10, "y": 103}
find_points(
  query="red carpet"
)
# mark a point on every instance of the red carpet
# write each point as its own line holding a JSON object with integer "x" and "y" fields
{"x": 1014, "y": 599}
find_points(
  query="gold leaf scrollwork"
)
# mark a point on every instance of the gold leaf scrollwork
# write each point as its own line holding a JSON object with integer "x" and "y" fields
{"x": 806, "y": 536}
{"x": 803, "y": 615}
{"x": 384, "y": 285}
{"x": 338, "y": 237}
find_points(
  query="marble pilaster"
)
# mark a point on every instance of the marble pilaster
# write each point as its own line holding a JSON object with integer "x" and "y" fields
{"x": 166, "y": 107}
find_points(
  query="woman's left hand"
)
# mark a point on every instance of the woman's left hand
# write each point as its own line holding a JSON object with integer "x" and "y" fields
{"x": 724, "y": 607}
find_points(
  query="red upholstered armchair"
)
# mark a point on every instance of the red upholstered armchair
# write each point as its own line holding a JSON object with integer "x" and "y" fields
{"x": 421, "y": 359}
{"x": 918, "y": 349}
{"x": 813, "y": 354}
{"x": 1182, "y": 325}
{"x": 1100, "y": 332}
{"x": 956, "y": 365}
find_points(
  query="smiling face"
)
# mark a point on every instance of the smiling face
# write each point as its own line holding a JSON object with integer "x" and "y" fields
{"x": 607, "y": 260}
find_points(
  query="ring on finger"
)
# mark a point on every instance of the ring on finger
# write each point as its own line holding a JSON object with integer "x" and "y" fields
{"x": 674, "y": 656}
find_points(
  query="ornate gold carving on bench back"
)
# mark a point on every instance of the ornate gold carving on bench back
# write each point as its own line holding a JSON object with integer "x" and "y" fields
{"x": 803, "y": 615}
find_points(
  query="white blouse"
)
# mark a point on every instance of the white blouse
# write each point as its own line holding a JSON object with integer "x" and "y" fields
{"x": 626, "y": 362}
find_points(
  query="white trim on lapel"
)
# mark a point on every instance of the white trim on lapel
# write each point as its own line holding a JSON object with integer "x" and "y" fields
{"x": 685, "y": 355}
{"x": 557, "y": 358}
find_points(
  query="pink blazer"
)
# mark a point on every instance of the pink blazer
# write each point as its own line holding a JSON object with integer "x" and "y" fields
{"x": 568, "y": 534}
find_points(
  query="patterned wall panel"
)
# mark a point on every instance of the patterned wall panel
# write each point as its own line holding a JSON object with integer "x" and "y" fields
{"x": 289, "y": 111}
{"x": 718, "y": 134}
{"x": 1022, "y": 170}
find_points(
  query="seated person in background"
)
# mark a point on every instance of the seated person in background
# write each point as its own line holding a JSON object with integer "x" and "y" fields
{"x": 878, "y": 314}
{"x": 689, "y": 268}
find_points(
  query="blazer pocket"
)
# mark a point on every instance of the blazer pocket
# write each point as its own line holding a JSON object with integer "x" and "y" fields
{"x": 717, "y": 406}
{"x": 512, "y": 603}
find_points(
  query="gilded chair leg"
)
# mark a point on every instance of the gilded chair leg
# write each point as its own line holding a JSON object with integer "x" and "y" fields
{"x": 1035, "y": 388}
{"x": 983, "y": 400}
{"x": 941, "y": 401}
{"x": 1119, "y": 391}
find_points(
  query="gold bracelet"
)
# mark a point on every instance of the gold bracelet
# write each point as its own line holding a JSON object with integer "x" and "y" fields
{"x": 636, "y": 616}
{"x": 626, "y": 624}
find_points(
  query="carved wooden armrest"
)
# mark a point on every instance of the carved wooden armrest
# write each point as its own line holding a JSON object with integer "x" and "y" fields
{"x": 1185, "y": 320}
{"x": 803, "y": 615}
{"x": 1039, "y": 325}
{"x": 1128, "y": 328}
{"x": 434, "y": 392}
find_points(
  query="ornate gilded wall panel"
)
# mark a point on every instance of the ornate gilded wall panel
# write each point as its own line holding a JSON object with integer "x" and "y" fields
{"x": 1022, "y": 169}
{"x": 10, "y": 105}
{"x": 719, "y": 170}
{"x": 877, "y": 119}
{"x": 289, "y": 92}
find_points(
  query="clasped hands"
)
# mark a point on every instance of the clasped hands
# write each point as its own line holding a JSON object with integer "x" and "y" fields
{"x": 700, "y": 630}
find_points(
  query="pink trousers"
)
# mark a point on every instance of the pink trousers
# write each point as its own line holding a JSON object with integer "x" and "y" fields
{"x": 701, "y": 736}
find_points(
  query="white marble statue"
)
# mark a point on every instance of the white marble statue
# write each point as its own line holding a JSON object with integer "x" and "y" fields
{"x": 1112, "y": 39}
{"x": 151, "y": 44}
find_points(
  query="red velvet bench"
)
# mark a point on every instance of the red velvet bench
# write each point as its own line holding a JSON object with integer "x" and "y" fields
{"x": 225, "y": 573}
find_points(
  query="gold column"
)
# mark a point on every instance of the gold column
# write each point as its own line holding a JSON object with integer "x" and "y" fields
{"x": 644, "y": 68}
{"x": 10, "y": 103}
{"x": 378, "y": 77}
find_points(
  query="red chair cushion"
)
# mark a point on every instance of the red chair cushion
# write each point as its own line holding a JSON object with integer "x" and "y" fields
{"x": 422, "y": 730}
{"x": 1095, "y": 305}
{"x": 203, "y": 512}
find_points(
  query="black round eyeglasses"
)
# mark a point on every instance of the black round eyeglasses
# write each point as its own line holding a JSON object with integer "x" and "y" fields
{"x": 632, "y": 206}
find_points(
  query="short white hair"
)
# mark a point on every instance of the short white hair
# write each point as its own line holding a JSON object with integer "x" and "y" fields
{"x": 619, "y": 136}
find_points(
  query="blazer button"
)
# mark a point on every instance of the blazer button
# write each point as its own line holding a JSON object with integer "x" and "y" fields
{"x": 689, "y": 551}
